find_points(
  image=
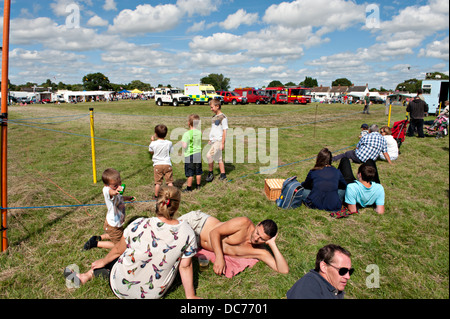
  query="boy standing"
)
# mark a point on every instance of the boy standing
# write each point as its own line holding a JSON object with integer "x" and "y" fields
{"x": 217, "y": 138}
{"x": 115, "y": 217}
{"x": 162, "y": 165}
{"x": 192, "y": 144}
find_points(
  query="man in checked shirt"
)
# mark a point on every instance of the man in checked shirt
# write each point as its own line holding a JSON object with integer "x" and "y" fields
{"x": 370, "y": 146}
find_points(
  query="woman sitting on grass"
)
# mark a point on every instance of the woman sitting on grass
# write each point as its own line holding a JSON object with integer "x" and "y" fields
{"x": 324, "y": 187}
{"x": 392, "y": 144}
{"x": 145, "y": 262}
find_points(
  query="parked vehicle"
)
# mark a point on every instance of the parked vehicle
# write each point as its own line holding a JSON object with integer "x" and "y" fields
{"x": 298, "y": 95}
{"x": 277, "y": 95}
{"x": 376, "y": 100}
{"x": 253, "y": 95}
{"x": 232, "y": 97}
{"x": 171, "y": 96}
{"x": 201, "y": 93}
{"x": 435, "y": 92}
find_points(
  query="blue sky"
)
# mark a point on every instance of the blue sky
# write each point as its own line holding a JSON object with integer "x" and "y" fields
{"x": 251, "y": 42}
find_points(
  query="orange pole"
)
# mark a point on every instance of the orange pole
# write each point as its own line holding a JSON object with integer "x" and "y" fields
{"x": 4, "y": 124}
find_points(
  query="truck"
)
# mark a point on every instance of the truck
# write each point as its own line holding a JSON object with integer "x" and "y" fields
{"x": 298, "y": 95}
{"x": 232, "y": 97}
{"x": 253, "y": 95}
{"x": 171, "y": 96}
{"x": 277, "y": 95}
{"x": 435, "y": 92}
{"x": 201, "y": 93}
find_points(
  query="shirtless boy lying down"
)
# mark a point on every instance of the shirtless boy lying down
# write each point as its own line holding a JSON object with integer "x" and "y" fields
{"x": 238, "y": 237}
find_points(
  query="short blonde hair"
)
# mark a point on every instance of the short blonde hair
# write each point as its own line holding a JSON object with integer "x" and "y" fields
{"x": 215, "y": 102}
{"x": 386, "y": 129}
{"x": 192, "y": 119}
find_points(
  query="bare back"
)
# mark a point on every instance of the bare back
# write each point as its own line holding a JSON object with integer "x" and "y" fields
{"x": 235, "y": 241}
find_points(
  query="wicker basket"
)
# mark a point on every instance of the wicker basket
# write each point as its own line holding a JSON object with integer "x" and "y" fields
{"x": 272, "y": 188}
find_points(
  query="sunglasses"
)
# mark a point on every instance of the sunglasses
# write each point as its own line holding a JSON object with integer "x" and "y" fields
{"x": 343, "y": 271}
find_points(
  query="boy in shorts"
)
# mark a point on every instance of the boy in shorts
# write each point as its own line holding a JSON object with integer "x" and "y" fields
{"x": 192, "y": 145}
{"x": 217, "y": 138}
{"x": 115, "y": 217}
{"x": 162, "y": 165}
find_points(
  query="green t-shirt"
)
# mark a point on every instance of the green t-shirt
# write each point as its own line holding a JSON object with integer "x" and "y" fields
{"x": 193, "y": 139}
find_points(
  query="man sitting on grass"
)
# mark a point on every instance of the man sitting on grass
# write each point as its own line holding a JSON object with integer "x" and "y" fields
{"x": 237, "y": 237}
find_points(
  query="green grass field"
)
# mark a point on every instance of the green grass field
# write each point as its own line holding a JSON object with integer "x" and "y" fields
{"x": 49, "y": 164}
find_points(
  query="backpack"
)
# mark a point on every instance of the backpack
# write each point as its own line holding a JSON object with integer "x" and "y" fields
{"x": 291, "y": 194}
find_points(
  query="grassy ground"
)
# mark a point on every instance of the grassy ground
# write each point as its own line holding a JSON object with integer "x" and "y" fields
{"x": 49, "y": 167}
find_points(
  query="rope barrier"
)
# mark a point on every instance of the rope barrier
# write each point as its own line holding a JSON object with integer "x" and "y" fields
{"x": 71, "y": 206}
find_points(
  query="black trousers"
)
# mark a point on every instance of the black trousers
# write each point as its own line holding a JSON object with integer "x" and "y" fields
{"x": 346, "y": 169}
{"x": 416, "y": 124}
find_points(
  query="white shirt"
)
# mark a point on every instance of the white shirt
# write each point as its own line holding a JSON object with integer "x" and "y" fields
{"x": 219, "y": 124}
{"x": 392, "y": 147}
{"x": 161, "y": 150}
{"x": 116, "y": 208}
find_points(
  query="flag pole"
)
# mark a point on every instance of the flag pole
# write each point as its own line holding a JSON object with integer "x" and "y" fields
{"x": 4, "y": 125}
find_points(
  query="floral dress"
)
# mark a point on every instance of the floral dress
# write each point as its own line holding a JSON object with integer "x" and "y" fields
{"x": 150, "y": 262}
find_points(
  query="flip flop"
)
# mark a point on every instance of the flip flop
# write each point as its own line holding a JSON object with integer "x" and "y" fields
{"x": 72, "y": 280}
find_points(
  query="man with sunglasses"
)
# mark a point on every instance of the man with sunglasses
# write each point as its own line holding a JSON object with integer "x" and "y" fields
{"x": 328, "y": 279}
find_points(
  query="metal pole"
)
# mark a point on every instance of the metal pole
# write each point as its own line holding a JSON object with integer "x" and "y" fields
{"x": 389, "y": 118}
{"x": 4, "y": 124}
{"x": 94, "y": 170}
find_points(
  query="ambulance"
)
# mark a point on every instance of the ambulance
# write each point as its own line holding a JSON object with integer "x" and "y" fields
{"x": 201, "y": 93}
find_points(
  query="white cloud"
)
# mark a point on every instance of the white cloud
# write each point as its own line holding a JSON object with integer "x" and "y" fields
{"x": 51, "y": 35}
{"x": 146, "y": 18}
{"x": 198, "y": 26}
{"x": 198, "y": 7}
{"x": 110, "y": 5}
{"x": 233, "y": 21}
{"x": 436, "y": 49}
{"x": 422, "y": 20}
{"x": 134, "y": 55}
{"x": 333, "y": 14}
{"x": 96, "y": 21}
{"x": 218, "y": 42}
{"x": 212, "y": 60}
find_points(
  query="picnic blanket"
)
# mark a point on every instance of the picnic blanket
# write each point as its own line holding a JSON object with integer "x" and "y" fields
{"x": 234, "y": 265}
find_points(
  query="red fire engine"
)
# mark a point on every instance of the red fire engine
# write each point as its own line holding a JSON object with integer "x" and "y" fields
{"x": 253, "y": 95}
{"x": 276, "y": 95}
{"x": 298, "y": 95}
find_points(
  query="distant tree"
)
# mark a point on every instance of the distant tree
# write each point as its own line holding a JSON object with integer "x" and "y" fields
{"x": 309, "y": 82}
{"x": 275, "y": 83}
{"x": 341, "y": 82}
{"x": 436, "y": 75}
{"x": 219, "y": 81}
{"x": 290, "y": 84}
{"x": 411, "y": 85}
{"x": 49, "y": 84}
{"x": 137, "y": 84}
{"x": 96, "y": 81}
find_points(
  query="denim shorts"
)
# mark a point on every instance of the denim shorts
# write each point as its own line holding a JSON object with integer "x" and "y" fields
{"x": 193, "y": 165}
